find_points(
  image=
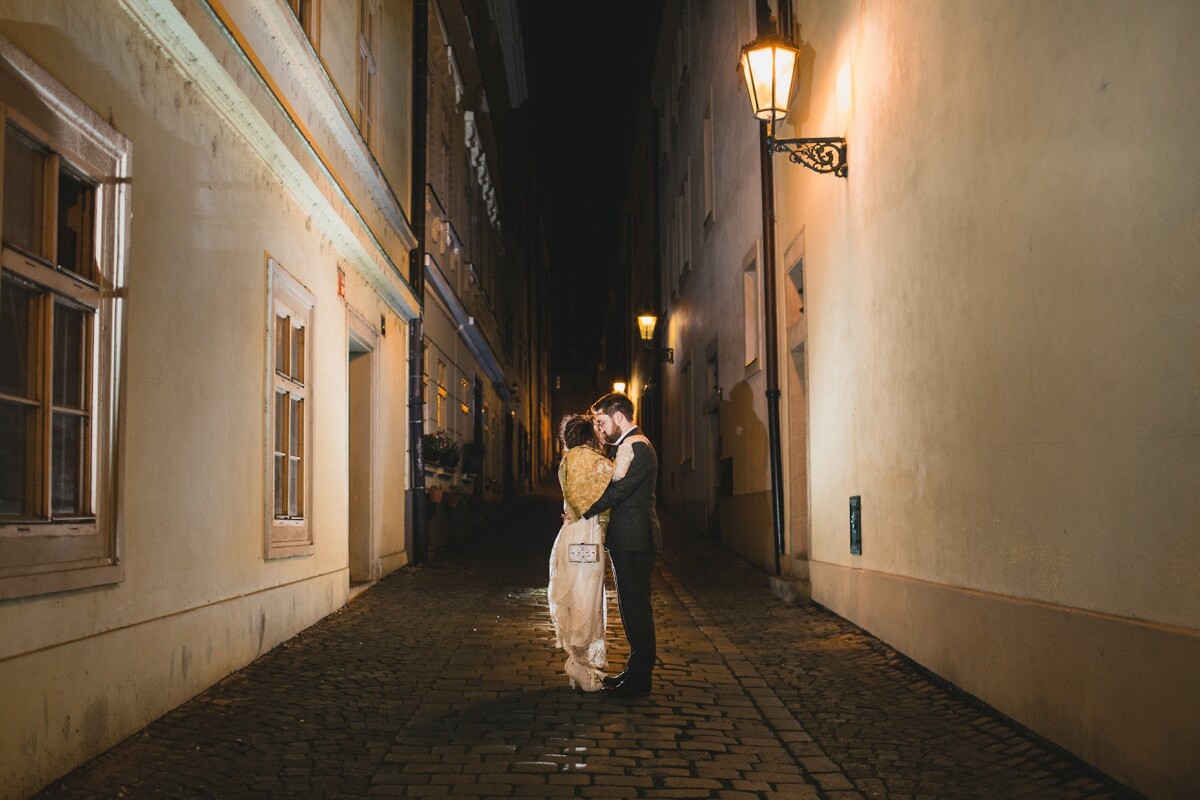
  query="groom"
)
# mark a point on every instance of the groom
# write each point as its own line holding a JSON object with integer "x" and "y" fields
{"x": 632, "y": 541}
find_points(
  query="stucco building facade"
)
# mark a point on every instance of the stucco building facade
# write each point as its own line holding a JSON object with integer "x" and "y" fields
{"x": 205, "y": 309}
{"x": 986, "y": 334}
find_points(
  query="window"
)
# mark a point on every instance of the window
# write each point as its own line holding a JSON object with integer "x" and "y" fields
{"x": 289, "y": 411}
{"x": 687, "y": 433}
{"x": 439, "y": 420}
{"x": 750, "y": 310}
{"x": 681, "y": 256}
{"x": 685, "y": 223}
{"x": 710, "y": 182}
{"x": 680, "y": 243}
{"x": 664, "y": 137}
{"x": 65, "y": 208}
{"x": 671, "y": 275}
{"x": 747, "y": 21}
{"x": 308, "y": 13}
{"x": 680, "y": 60}
{"x": 369, "y": 25}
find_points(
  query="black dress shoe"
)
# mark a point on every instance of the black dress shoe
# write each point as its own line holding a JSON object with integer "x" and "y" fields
{"x": 612, "y": 680}
{"x": 630, "y": 687}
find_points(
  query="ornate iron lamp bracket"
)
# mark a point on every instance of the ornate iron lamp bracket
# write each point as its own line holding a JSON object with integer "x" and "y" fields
{"x": 823, "y": 155}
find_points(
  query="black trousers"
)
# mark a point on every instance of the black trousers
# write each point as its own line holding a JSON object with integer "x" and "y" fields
{"x": 633, "y": 570}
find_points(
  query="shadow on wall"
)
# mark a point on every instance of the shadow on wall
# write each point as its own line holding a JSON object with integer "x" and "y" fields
{"x": 800, "y": 103}
{"x": 744, "y": 439}
{"x": 745, "y": 505}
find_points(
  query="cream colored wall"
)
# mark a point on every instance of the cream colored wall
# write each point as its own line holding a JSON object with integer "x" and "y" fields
{"x": 1000, "y": 301}
{"x": 79, "y": 671}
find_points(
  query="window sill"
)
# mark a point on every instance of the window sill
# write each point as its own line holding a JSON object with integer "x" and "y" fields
{"x": 61, "y": 579}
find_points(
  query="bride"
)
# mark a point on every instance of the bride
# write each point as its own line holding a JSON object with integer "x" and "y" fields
{"x": 576, "y": 589}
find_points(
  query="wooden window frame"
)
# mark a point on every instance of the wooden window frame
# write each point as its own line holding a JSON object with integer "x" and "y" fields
{"x": 289, "y": 535}
{"x": 41, "y": 552}
{"x": 308, "y": 14}
{"x": 370, "y": 24}
{"x": 752, "y": 312}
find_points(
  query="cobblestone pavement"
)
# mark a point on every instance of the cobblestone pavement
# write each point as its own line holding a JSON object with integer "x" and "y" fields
{"x": 443, "y": 681}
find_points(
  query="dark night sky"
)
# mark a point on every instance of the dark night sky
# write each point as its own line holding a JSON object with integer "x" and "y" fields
{"x": 586, "y": 72}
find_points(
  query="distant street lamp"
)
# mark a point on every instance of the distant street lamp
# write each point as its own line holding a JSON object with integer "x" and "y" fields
{"x": 646, "y": 325}
{"x": 769, "y": 65}
{"x": 619, "y": 387}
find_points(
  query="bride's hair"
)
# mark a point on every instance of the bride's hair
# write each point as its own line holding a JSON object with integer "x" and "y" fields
{"x": 577, "y": 429}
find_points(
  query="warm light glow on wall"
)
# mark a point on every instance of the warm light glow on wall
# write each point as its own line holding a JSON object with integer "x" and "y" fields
{"x": 845, "y": 87}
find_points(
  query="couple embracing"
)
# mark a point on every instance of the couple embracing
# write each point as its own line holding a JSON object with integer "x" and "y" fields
{"x": 607, "y": 506}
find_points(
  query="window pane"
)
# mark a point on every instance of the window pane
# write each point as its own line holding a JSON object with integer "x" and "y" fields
{"x": 281, "y": 344}
{"x": 75, "y": 219}
{"x": 18, "y": 426}
{"x": 67, "y": 458}
{"x": 19, "y": 327}
{"x": 281, "y": 422}
{"x": 294, "y": 488}
{"x": 305, "y": 13}
{"x": 69, "y": 349}
{"x": 281, "y": 462}
{"x": 297, "y": 353}
{"x": 296, "y": 428}
{"x": 296, "y": 453}
{"x": 24, "y": 185}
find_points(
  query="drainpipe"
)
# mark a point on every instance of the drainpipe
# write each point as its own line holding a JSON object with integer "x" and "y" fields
{"x": 772, "y": 344}
{"x": 771, "y": 319}
{"x": 416, "y": 278}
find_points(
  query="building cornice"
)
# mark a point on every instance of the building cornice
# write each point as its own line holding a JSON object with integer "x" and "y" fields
{"x": 306, "y": 169}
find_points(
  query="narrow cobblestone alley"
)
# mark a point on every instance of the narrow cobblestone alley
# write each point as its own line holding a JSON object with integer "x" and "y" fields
{"x": 442, "y": 680}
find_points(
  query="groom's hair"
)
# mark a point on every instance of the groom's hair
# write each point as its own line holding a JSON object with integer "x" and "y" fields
{"x": 613, "y": 402}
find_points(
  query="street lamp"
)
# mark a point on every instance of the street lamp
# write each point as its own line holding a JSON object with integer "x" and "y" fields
{"x": 769, "y": 66}
{"x": 646, "y": 324}
{"x": 619, "y": 387}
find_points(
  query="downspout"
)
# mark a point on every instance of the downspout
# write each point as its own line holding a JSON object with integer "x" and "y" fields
{"x": 771, "y": 321}
{"x": 416, "y": 279}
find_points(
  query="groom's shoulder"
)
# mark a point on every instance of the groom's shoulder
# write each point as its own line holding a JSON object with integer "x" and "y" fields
{"x": 639, "y": 439}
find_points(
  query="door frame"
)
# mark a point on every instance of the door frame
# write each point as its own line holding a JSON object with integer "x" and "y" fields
{"x": 362, "y": 335}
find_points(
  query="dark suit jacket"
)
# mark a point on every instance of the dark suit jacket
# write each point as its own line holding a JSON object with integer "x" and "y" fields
{"x": 633, "y": 524}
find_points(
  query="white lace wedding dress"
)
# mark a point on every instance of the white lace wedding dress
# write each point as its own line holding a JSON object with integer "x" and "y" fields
{"x": 576, "y": 589}
{"x": 577, "y": 607}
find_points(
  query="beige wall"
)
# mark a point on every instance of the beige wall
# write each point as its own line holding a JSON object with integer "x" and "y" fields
{"x": 998, "y": 333}
{"x": 210, "y": 203}
{"x": 1001, "y": 331}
